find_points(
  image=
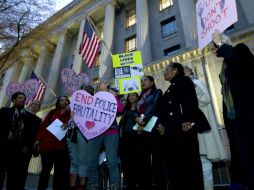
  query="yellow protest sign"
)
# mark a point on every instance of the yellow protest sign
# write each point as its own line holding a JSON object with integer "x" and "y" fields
{"x": 127, "y": 59}
{"x": 129, "y": 85}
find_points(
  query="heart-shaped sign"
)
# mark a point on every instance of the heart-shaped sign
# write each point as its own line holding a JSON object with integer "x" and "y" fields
{"x": 72, "y": 81}
{"x": 93, "y": 114}
{"x": 29, "y": 88}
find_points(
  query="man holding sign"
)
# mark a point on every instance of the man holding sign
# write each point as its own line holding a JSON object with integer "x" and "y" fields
{"x": 237, "y": 89}
{"x": 212, "y": 15}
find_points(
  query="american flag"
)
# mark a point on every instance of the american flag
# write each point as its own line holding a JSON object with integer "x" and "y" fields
{"x": 90, "y": 44}
{"x": 41, "y": 90}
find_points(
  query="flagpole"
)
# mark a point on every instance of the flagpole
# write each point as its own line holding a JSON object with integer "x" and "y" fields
{"x": 46, "y": 84}
{"x": 98, "y": 33}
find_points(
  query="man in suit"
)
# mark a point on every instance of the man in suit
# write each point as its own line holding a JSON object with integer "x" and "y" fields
{"x": 17, "y": 135}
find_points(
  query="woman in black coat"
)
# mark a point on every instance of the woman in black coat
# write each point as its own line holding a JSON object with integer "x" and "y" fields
{"x": 180, "y": 121}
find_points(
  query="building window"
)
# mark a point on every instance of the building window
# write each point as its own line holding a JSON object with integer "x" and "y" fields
{"x": 171, "y": 50}
{"x": 168, "y": 27}
{"x": 131, "y": 18}
{"x": 230, "y": 29}
{"x": 130, "y": 44}
{"x": 165, "y": 4}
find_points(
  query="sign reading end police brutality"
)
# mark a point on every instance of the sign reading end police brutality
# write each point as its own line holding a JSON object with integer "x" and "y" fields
{"x": 93, "y": 115}
{"x": 214, "y": 15}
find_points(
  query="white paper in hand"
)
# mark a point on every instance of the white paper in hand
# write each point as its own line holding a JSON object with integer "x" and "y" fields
{"x": 56, "y": 130}
{"x": 149, "y": 126}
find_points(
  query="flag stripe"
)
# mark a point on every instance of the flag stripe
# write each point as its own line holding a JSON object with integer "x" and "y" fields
{"x": 93, "y": 56}
{"x": 92, "y": 50}
{"x": 40, "y": 92}
{"x": 89, "y": 45}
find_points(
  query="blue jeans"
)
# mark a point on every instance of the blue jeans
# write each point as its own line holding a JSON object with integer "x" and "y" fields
{"x": 110, "y": 143}
{"x": 78, "y": 155}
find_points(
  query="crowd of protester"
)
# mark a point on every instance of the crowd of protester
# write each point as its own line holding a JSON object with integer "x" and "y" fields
{"x": 176, "y": 155}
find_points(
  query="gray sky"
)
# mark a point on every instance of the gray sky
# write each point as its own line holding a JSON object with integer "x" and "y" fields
{"x": 61, "y": 3}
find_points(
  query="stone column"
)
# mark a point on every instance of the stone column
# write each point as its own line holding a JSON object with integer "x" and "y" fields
{"x": 27, "y": 69}
{"x": 55, "y": 67}
{"x": 106, "y": 71}
{"x": 40, "y": 64}
{"x": 189, "y": 22}
{"x": 77, "y": 62}
{"x": 248, "y": 7}
{"x": 5, "y": 82}
{"x": 143, "y": 37}
{"x": 11, "y": 75}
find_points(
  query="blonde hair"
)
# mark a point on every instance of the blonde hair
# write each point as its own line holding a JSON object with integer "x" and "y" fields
{"x": 225, "y": 39}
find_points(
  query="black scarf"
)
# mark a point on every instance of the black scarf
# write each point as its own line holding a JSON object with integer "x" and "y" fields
{"x": 17, "y": 128}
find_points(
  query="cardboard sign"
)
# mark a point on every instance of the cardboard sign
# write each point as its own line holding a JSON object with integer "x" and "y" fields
{"x": 129, "y": 85}
{"x": 128, "y": 71}
{"x": 29, "y": 88}
{"x": 93, "y": 115}
{"x": 72, "y": 81}
{"x": 214, "y": 15}
{"x": 127, "y": 59}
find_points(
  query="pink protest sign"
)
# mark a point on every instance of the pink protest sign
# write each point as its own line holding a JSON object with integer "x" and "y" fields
{"x": 72, "y": 81}
{"x": 29, "y": 88}
{"x": 93, "y": 114}
{"x": 214, "y": 15}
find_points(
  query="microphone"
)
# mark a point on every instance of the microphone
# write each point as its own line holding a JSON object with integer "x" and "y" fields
{"x": 112, "y": 88}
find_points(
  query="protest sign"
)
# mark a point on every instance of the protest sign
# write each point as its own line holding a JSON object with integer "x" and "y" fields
{"x": 29, "y": 88}
{"x": 128, "y": 71}
{"x": 214, "y": 15}
{"x": 130, "y": 85}
{"x": 127, "y": 59}
{"x": 72, "y": 81}
{"x": 93, "y": 115}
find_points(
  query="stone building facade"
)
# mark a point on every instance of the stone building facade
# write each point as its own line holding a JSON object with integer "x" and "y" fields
{"x": 164, "y": 31}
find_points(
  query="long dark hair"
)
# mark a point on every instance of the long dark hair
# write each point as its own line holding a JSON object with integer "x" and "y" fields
{"x": 57, "y": 106}
{"x": 128, "y": 103}
{"x": 151, "y": 79}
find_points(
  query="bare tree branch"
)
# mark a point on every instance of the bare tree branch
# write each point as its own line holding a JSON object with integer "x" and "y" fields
{"x": 17, "y": 19}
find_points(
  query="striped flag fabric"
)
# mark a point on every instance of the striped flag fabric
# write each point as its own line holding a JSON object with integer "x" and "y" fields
{"x": 41, "y": 90}
{"x": 90, "y": 45}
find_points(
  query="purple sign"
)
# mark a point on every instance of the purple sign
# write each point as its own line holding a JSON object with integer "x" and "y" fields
{"x": 93, "y": 114}
{"x": 29, "y": 88}
{"x": 72, "y": 81}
